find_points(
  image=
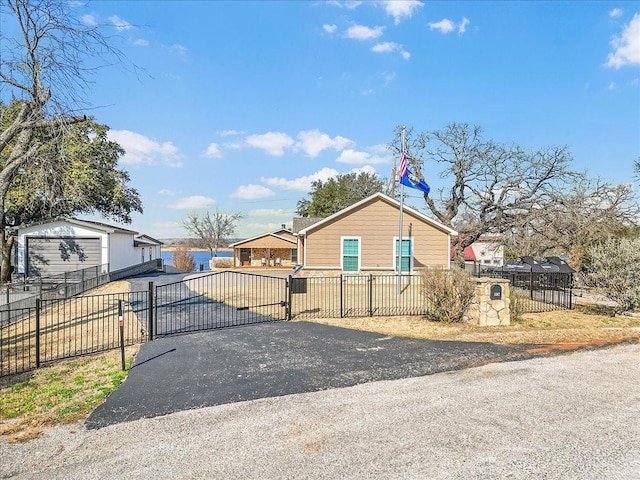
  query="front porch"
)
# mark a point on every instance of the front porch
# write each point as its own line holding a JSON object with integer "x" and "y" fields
{"x": 271, "y": 250}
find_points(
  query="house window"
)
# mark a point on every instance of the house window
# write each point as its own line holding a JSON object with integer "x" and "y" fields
{"x": 350, "y": 254}
{"x": 294, "y": 256}
{"x": 405, "y": 255}
{"x": 142, "y": 255}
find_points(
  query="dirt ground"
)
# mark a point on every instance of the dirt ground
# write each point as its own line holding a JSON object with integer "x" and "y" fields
{"x": 587, "y": 324}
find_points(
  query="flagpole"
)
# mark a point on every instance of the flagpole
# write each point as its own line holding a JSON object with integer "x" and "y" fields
{"x": 399, "y": 260}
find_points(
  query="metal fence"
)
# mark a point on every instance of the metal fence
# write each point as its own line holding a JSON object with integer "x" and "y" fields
{"x": 54, "y": 329}
{"x": 58, "y": 329}
{"x": 356, "y": 296}
{"x": 217, "y": 300}
{"x": 538, "y": 292}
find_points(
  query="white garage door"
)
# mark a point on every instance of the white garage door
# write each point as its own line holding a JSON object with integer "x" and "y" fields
{"x": 54, "y": 255}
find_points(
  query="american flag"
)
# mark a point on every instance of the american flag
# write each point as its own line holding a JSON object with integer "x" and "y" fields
{"x": 403, "y": 164}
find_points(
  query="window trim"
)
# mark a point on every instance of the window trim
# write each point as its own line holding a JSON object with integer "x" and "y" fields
{"x": 395, "y": 257}
{"x": 342, "y": 239}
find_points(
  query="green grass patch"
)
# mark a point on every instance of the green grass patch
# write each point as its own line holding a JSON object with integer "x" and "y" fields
{"x": 63, "y": 392}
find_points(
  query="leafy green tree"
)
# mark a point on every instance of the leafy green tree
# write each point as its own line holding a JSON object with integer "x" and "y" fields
{"x": 48, "y": 57}
{"x": 70, "y": 174}
{"x": 339, "y": 192}
{"x": 212, "y": 229}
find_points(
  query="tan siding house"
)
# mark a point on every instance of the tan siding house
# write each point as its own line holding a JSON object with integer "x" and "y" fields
{"x": 364, "y": 237}
{"x": 276, "y": 249}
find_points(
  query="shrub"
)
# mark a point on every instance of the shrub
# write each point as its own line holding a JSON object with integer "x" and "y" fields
{"x": 615, "y": 271}
{"x": 448, "y": 294}
{"x": 183, "y": 260}
{"x": 517, "y": 299}
{"x": 221, "y": 263}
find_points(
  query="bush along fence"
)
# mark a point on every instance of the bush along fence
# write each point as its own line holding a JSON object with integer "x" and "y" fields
{"x": 54, "y": 329}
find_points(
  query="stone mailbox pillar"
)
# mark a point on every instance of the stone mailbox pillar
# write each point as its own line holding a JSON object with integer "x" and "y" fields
{"x": 491, "y": 303}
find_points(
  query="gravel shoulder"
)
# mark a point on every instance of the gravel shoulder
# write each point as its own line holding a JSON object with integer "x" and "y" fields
{"x": 573, "y": 416}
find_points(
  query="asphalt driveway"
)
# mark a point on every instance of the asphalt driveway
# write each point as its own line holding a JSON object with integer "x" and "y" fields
{"x": 274, "y": 359}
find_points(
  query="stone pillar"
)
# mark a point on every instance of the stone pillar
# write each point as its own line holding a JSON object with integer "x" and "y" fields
{"x": 491, "y": 303}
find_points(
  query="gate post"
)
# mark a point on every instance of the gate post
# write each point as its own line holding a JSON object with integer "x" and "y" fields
{"x": 371, "y": 295}
{"x": 150, "y": 314}
{"x": 289, "y": 296}
{"x": 341, "y": 302}
{"x": 37, "y": 332}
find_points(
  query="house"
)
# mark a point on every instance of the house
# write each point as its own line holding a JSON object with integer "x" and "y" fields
{"x": 487, "y": 251}
{"x": 275, "y": 249}
{"x": 364, "y": 237}
{"x": 67, "y": 244}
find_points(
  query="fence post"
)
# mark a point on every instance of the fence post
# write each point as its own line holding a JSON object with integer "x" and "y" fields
{"x": 150, "y": 314}
{"x": 289, "y": 297}
{"x": 341, "y": 303}
{"x": 531, "y": 284}
{"x": 371, "y": 295}
{"x": 37, "y": 332}
{"x": 121, "y": 329}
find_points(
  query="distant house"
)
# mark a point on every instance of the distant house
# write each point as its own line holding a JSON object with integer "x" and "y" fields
{"x": 67, "y": 244}
{"x": 365, "y": 237}
{"x": 487, "y": 251}
{"x": 274, "y": 249}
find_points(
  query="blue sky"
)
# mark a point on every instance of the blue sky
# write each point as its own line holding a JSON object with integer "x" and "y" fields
{"x": 240, "y": 105}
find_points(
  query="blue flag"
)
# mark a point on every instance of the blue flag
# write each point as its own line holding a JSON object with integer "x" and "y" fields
{"x": 413, "y": 181}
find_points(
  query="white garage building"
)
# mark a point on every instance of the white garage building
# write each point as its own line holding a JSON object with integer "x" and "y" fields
{"x": 68, "y": 244}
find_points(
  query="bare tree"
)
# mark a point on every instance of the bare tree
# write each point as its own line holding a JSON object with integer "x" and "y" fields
{"x": 212, "y": 229}
{"x": 636, "y": 170}
{"x": 587, "y": 212}
{"x": 48, "y": 57}
{"x": 492, "y": 188}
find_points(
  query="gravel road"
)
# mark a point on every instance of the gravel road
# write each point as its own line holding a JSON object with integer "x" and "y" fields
{"x": 564, "y": 417}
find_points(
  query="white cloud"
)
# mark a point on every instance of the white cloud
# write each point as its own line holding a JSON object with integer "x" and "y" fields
{"x": 364, "y": 169}
{"x": 142, "y": 150}
{"x": 386, "y": 47}
{"x": 626, "y": 46}
{"x": 89, "y": 20}
{"x": 166, "y": 191}
{"x": 399, "y": 9}
{"x": 120, "y": 24}
{"x": 179, "y": 49}
{"x": 141, "y": 42}
{"x": 355, "y": 157}
{"x": 213, "y": 151}
{"x": 463, "y": 25}
{"x": 312, "y": 142}
{"x": 329, "y": 28}
{"x": 193, "y": 202}
{"x": 443, "y": 26}
{"x": 301, "y": 183}
{"x": 271, "y": 212}
{"x": 360, "y": 32}
{"x": 348, "y": 4}
{"x": 229, "y": 133}
{"x": 274, "y": 143}
{"x": 252, "y": 192}
{"x": 615, "y": 13}
{"x": 612, "y": 86}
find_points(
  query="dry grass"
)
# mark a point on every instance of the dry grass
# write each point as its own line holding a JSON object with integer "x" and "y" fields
{"x": 79, "y": 325}
{"x": 586, "y": 325}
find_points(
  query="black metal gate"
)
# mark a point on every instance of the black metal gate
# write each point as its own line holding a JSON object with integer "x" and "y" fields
{"x": 218, "y": 300}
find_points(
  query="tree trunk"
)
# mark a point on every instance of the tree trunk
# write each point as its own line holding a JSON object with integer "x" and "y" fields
{"x": 6, "y": 247}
